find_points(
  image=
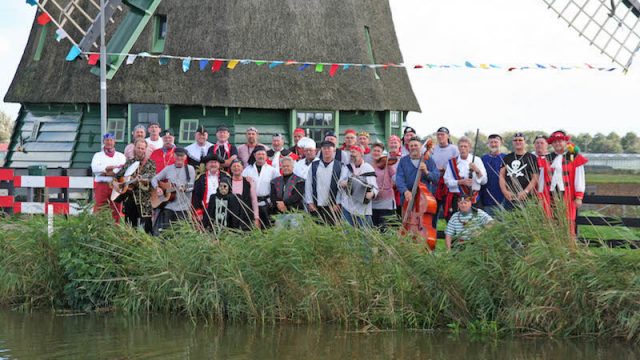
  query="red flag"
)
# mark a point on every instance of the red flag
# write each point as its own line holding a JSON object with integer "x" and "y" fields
{"x": 333, "y": 69}
{"x": 290, "y": 62}
{"x": 418, "y": 67}
{"x": 43, "y": 19}
{"x": 217, "y": 64}
{"x": 93, "y": 59}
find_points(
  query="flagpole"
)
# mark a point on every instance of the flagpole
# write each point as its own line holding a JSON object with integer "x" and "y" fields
{"x": 103, "y": 73}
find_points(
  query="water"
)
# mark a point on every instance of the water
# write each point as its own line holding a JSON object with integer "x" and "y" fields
{"x": 47, "y": 336}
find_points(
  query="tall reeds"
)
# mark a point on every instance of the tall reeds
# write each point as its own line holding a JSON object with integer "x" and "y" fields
{"x": 523, "y": 274}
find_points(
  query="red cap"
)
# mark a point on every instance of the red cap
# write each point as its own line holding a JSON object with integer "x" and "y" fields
{"x": 357, "y": 148}
{"x": 558, "y": 136}
{"x": 299, "y": 131}
{"x": 350, "y": 131}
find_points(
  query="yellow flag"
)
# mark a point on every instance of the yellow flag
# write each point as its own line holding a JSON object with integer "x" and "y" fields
{"x": 232, "y": 64}
{"x": 484, "y": 66}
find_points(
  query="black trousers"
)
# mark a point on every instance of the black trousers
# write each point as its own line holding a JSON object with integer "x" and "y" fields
{"x": 133, "y": 217}
{"x": 379, "y": 218}
{"x": 166, "y": 217}
{"x": 265, "y": 215}
{"x": 327, "y": 215}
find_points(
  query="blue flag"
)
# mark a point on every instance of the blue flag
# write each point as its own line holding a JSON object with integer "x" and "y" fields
{"x": 73, "y": 53}
{"x": 203, "y": 64}
{"x": 186, "y": 64}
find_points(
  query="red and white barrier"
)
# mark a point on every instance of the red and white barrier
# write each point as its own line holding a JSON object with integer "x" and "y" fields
{"x": 46, "y": 182}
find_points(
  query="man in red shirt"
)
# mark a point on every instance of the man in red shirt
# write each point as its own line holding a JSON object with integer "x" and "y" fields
{"x": 164, "y": 156}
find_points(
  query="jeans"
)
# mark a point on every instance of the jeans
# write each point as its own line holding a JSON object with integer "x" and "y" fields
{"x": 358, "y": 221}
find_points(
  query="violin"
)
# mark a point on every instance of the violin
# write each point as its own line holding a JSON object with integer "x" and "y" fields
{"x": 418, "y": 212}
{"x": 385, "y": 161}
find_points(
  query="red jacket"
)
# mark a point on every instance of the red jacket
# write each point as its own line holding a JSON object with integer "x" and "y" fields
{"x": 162, "y": 158}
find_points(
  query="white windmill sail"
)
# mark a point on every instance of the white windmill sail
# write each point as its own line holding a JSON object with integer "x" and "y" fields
{"x": 612, "y": 26}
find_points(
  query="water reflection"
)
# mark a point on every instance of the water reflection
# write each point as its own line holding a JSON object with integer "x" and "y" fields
{"x": 35, "y": 336}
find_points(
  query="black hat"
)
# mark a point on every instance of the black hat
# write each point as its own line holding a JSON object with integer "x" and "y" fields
{"x": 519, "y": 135}
{"x": 168, "y": 131}
{"x": 236, "y": 160}
{"x": 225, "y": 179}
{"x": 495, "y": 136}
{"x": 153, "y": 122}
{"x": 330, "y": 133}
{"x": 222, "y": 128}
{"x": 327, "y": 143}
{"x": 409, "y": 129}
{"x": 180, "y": 151}
{"x": 443, "y": 129}
{"x": 201, "y": 129}
{"x": 210, "y": 157}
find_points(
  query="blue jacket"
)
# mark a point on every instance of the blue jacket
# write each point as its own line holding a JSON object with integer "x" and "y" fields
{"x": 490, "y": 194}
{"x": 406, "y": 175}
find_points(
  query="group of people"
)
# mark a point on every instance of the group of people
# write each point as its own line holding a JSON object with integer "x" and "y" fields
{"x": 362, "y": 183}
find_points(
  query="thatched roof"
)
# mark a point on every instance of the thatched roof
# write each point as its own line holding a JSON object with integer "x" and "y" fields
{"x": 304, "y": 30}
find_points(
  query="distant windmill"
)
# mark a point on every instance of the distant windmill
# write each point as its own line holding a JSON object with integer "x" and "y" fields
{"x": 612, "y": 26}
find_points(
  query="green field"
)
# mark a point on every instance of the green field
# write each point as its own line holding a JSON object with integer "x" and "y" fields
{"x": 612, "y": 179}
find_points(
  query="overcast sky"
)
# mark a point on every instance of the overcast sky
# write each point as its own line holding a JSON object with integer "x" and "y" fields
{"x": 454, "y": 31}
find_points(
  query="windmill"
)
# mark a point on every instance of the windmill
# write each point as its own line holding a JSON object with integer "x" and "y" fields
{"x": 612, "y": 26}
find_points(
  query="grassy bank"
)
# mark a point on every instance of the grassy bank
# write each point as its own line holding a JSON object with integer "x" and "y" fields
{"x": 519, "y": 276}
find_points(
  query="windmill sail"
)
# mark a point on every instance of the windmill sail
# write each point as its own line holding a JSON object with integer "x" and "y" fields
{"x": 612, "y": 26}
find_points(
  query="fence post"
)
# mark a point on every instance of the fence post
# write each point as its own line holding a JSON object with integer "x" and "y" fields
{"x": 50, "y": 220}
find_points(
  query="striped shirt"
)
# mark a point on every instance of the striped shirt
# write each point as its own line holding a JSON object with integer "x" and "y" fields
{"x": 461, "y": 225}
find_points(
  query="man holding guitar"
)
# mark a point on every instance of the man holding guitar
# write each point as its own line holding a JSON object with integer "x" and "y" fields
{"x": 175, "y": 194}
{"x": 134, "y": 189}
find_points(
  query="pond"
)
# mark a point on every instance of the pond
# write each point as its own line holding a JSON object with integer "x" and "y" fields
{"x": 44, "y": 335}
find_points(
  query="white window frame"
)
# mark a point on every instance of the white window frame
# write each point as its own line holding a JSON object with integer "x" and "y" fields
{"x": 395, "y": 119}
{"x": 115, "y": 125}
{"x": 184, "y": 122}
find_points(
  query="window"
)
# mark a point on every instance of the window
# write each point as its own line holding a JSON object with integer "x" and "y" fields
{"x": 117, "y": 128}
{"x": 188, "y": 129}
{"x": 160, "y": 28}
{"x": 315, "y": 123}
{"x": 372, "y": 57}
{"x": 395, "y": 119}
{"x": 146, "y": 113}
{"x": 146, "y": 118}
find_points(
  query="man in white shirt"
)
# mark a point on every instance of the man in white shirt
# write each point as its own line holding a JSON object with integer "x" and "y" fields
{"x": 357, "y": 211}
{"x": 262, "y": 174}
{"x": 154, "y": 138}
{"x": 321, "y": 187}
{"x": 302, "y": 166}
{"x": 104, "y": 165}
{"x": 464, "y": 174}
{"x": 277, "y": 145}
{"x": 199, "y": 149}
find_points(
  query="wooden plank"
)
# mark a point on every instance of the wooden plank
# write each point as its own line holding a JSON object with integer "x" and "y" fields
{"x": 612, "y": 200}
{"x": 608, "y": 221}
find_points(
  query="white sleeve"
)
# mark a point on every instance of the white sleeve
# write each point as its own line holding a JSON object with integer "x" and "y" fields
{"x": 580, "y": 182}
{"x": 308, "y": 188}
{"x": 541, "y": 180}
{"x": 448, "y": 177}
{"x": 98, "y": 165}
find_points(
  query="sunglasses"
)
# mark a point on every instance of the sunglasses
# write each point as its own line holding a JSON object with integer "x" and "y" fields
{"x": 518, "y": 140}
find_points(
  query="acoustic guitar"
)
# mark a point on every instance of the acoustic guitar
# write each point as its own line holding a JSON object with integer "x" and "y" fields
{"x": 123, "y": 185}
{"x": 168, "y": 195}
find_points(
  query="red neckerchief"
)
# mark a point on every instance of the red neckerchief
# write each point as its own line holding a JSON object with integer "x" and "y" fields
{"x": 367, "y": 150}
{"x": 109, "y": 153}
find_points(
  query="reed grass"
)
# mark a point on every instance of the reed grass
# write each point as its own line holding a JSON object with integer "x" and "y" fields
{"x": 522, "y": 275}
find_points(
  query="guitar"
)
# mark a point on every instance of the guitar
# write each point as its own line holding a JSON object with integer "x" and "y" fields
{"x": 169, "y": 193}
{"x": 121, "y": 186}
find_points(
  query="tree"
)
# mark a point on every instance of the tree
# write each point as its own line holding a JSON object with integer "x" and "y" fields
{"x": 6, "y": 126}
{"x": 613, "y": 144}
{"x": 583, "y": 141}
{"x": 630, "y": 143}
{"x": 481, "y": 147}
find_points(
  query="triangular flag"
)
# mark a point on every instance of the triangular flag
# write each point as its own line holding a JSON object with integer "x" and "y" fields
{"x": 495, "y": 66}
{"x": 203, "y": 64}
{"x": 484, "y": 66}
{"x": 186, "y": 64}
{"x": 303, "y": 66}
{"x": 469, "y": 65}
{"x": 319, "y": 68}
{"x": 163, "y": 61}
{"x": 93, "y": 59}
{"x": 346, "y": 66}
{"x": 418, "y": 67}
{"x": 43, "y": 19}
{"x": 512, "y": 68}
{"x": 217, "y": 64}
{"x": 290, "y": 62}
{"x": 612, "y": 69}
{"x": 540, "y": 66}
{"x": 232, "y": 64}
{"x": 275, "y": 64}
{"x": 333, "y": 69}
{"x": 32, "y": 2}
{"x": 60, "y": 34}
{"x": 260, "y": 63}
{"x": 74, "y": 52}
{"x": 245, "y": 62}
{"x": 131, "y": 59}
{"x": 144, "y": 54}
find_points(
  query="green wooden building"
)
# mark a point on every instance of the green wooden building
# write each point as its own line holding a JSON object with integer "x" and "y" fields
{"x": 59, "y": 120}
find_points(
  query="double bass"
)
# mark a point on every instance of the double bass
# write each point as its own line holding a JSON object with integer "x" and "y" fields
{"x": 418, "y": 212}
